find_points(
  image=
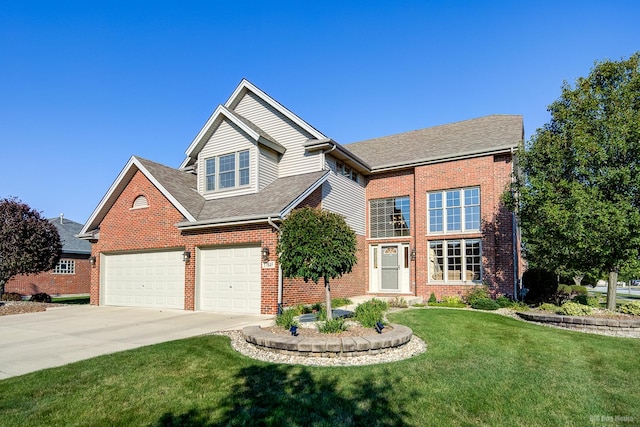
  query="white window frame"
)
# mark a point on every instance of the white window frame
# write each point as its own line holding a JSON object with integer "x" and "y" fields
{"x": 216, "y": 173}
{"x": 342, "y": 169}
{"x": 70, "y": 267}
{"x": 445, "y": 210}
{"x": 464, "y": 261}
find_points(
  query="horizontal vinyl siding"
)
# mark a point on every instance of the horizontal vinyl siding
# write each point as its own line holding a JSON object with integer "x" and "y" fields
{"x": 228, "y": 138}
{"x": 294, "y": 161}
{"x": 348, "y": 198}
{"x": 267, "y": 168}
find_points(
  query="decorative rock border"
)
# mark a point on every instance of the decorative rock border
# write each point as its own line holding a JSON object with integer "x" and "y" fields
{"x": 595, "y": 324}
{"x": 329, "y": 346}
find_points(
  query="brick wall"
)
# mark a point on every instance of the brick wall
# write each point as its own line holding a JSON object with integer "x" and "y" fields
{"x": 55, "y": 284}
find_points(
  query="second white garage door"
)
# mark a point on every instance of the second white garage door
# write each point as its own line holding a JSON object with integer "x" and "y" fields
{"x": 229, "y": 279}
{"x": 149, "y": 279}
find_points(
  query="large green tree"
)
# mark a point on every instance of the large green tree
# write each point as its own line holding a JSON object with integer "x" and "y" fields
{"x": 316, "y": 244}
{"x": 578, "y": 191}
{"x": 29, "y": 244}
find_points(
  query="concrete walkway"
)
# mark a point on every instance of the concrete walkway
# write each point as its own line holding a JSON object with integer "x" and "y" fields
{"x": 62, "y": 335}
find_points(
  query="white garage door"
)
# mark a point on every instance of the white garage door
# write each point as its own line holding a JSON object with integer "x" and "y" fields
{"x": 229, "y": 280}
{"x": 150, "y": 279}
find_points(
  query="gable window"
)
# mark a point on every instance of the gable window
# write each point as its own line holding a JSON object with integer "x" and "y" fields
{"x": 454, "y": 210}
{"x": 344, "y": 170}
{"x": 227, "y": 171}
{"x": 389, "y": 217}
{"x": 140, "y": 202}
{"x": 65, "y": 266}
{"x": 455, "y": 260}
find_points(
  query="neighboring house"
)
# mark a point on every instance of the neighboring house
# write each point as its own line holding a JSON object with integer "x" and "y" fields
{"x": 425, "y": 207}
{"x": 72, "y": 274}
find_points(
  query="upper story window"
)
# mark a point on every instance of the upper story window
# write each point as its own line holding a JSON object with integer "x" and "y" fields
{"x": 344, "y": 170}
{"x": 227, "y": 171}
{"x": 389, "y": 217}
{"x": 454, "y": 210}
{"x": 65, "y": 266}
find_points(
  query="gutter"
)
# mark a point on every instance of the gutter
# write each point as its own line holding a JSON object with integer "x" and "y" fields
{"x": 238, "y": 220}
{"x": 514, "y": 237}
{"x": 280, "y": 281}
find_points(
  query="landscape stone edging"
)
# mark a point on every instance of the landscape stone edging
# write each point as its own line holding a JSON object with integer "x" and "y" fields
{"x": 582, "y": 323}
{"x": 329, "y": 346}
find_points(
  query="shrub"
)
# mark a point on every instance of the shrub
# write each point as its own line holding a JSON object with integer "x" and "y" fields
{"x": 419, "y": 304}
{"x": 541, "y": 285}
{"x": 548, "y": 307}
{"x": 485, "y": 304}
{"x": 630, "y": 307}
{"x": 579, "y": 290}
{"x": 563, "y": 294}
{"x": 41, "y": 297}
{"x": 432, "y": 298}
{"x": 586, "y": 300}
{"x": 450, "y": 301}
{"x": 476, "y": 293}
{"x": 317, "y": 306}
{"x": 504, "y": 301}
{"x": 287, "y": 319}
{"x": 332, "y": 326}
{"x": 340, "y": 302}
{"x": 520, "y": 306}
{"x": 321, "y": 315}
{"x": 370, "y": 312}
{"x": 398, "y": 302}
{"x": 11, "y": 296}
{"x": 574, "y": 309}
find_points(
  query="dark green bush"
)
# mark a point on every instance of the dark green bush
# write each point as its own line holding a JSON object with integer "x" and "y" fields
{"x": 586, "y": 300}
{"x": 485, "y": 304}
{"x": 432, "y": 298}
{"x": 504, "y": 301}
{"x": 370, "y": 312}
{"x": 541, "y": 285}
{"x": 40, "y": 297}
{"x": 579, "y": 290}
{"x": 332, "y": 326}
{"x": 287, "y": 319}
{"x": 476, "y": 293}
{"x": 11, "y": 296}
{"x": 317, "y": 306}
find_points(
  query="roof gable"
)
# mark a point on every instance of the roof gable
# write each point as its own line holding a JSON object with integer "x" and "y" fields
{"x": 177, "y": 186}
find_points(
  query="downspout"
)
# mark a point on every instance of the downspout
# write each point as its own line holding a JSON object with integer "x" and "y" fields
{"x": 280, "y": 285}
{"x": 514, "y": 235}
{"x": 415, "y": 238}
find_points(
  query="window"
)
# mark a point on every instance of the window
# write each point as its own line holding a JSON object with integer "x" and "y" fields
{"x": 389, "y": 217}
{"x": 227, "y": 171}
{"x": 455, "y": 260}
{"x": 454, "y": 210}
{"x": 65, "y": 266}
{"x": 344, "y": 170}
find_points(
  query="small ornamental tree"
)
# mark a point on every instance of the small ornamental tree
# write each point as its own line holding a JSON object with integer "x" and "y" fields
{"x": 316, "y": 244}
{"x": 29, "y": 244}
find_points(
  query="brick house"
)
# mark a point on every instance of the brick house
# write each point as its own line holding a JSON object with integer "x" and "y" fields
{"x": 72, "y": 274}
{"x": 425, "y": 207}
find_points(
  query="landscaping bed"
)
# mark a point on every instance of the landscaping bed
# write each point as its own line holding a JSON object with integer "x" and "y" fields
{"x": 22, "y": 307}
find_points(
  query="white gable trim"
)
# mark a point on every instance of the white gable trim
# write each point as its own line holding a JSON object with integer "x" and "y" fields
{"x": 304, "y": 195}
{"x": 118, "y": 186}
{"x": 247, "y": 85}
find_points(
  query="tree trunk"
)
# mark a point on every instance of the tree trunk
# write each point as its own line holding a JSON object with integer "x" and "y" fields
{"x": 2, "y": 283}
{"x": 611, "y": 289}
{"x": 577, "y": 279}
{"x": 327, "y": 289}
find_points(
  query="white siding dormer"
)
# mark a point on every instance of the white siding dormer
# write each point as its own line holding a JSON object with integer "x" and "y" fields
{"x": 226, "y": 140}
{"x": 267, "y": 167}
{"x": 282, "y": 129}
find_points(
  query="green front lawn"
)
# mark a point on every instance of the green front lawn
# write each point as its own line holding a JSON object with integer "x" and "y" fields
{"x": 479, "y": 369}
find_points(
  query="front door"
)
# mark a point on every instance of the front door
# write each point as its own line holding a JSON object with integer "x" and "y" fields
{"x": 390, "y": 268}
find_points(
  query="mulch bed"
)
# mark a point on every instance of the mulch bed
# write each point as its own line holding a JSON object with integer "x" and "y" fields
{"x": 22, "y": 307}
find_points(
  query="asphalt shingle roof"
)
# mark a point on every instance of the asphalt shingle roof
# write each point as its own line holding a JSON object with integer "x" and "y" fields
{"x": 452, "y": 140}
{"x": 67, "y": 230}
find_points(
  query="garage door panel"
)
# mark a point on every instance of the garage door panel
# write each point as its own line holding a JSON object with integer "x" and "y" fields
{"x": 153, "y": 279}
{"x": 229, "y": 279}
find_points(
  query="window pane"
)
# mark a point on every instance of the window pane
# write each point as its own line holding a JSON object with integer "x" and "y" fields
{"x": 435, "y": 221}
{"x": 472, "y": 218}
{"x": 435, "y": 201}
{"x": 454, "y": 219}
{"x": 227, "y": 171}
{"x": 389, "y": 217}
{"x": 453, "y": 198}
{"x": 471, "y": 196}
{"x": 454, "y": 261}
{"x": 211, "y": 174}
{"x": 244, "y": 167}
{"x": 436, "y": 261}
{"x": 473, "y": 260}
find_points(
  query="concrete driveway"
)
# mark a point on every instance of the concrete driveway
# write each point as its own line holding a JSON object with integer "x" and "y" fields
{"x": 62, "y": 335}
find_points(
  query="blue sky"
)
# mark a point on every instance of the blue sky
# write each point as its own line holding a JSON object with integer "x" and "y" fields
{"x": 85, "y": 85}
